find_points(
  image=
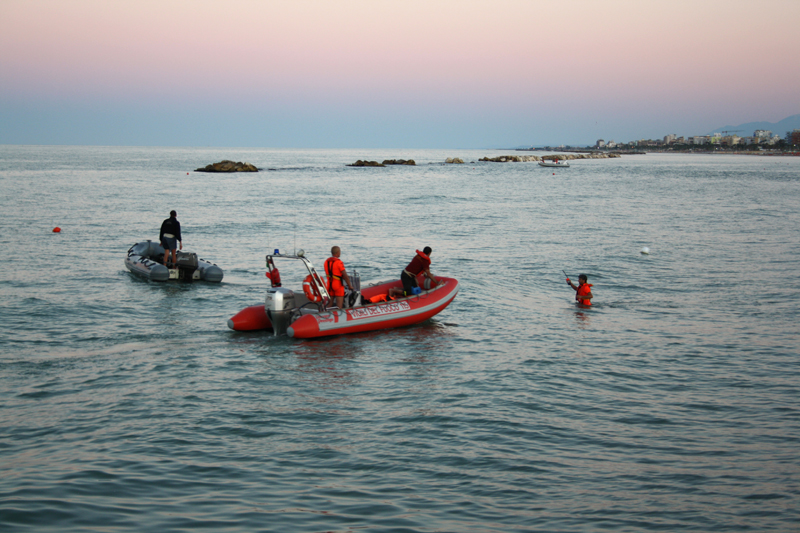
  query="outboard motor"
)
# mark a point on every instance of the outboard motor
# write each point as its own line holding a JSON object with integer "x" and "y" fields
{"x": 186, "y": 263}
{"x": 353, "y": 298}
{"x": 280, "y": 306}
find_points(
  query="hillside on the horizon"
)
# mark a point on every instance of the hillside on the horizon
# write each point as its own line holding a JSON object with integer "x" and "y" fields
{"x": 778, "y": 128}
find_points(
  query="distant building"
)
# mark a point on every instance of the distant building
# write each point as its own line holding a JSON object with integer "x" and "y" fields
{"x": 600, "y": 143}
{"x": 762, "y": 135}
{"x": 793, "y": 137}
{"x": 669, "y": 139}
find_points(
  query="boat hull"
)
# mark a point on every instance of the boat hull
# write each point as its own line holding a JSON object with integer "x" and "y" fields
{"x": 143, "y": 260}
{"x": 392, "y": 314}
{"x": 251, "y": 318}
{"x": 374, "y": 316}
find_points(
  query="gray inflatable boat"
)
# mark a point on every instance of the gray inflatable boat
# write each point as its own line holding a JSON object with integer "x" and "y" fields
{"x": 144, "y": 259}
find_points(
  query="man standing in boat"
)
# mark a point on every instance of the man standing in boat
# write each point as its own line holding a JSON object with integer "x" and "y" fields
{"x": 334, "y": 268}
{"x": 170, "y": 236}
{"x": 420, "y": 264}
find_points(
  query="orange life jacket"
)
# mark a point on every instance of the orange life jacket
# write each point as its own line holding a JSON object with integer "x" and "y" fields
{"x": 417, "y": 265}
{"x": 583, "y": 290}
{"x": 334, "y": 275}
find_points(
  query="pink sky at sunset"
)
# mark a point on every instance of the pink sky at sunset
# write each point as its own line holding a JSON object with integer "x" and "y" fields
{"x": 411, "y": 73}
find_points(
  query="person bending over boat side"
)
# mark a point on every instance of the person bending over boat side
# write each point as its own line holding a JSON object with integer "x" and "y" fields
{"x": 334, "y": 268}
{"x": 170, "y": 236}
{"x": 273, "y": 275}
{"x": 420, "y": 264}
{"x": 584, "y": 290}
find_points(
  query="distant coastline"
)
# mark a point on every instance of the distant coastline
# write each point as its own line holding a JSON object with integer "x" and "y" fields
{"x": 718, "y": 151}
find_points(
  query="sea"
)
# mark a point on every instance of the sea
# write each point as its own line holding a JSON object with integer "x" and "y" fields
{"x": 670, "y": 404}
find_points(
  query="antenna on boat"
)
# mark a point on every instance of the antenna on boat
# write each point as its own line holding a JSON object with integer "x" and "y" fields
{"x": 295, "y": 234}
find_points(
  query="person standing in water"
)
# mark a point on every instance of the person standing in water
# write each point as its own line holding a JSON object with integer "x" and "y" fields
{"x": 170, "y": 236}
{"x": 583, "y": 294}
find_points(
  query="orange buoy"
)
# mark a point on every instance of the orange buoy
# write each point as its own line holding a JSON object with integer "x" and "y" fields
{"x": 56, "y": 230}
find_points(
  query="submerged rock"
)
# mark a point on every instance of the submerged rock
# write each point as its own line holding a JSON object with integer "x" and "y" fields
{"x": 228, "y": 166}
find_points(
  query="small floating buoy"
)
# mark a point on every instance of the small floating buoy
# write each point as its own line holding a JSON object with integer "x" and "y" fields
{"x": 645, "y": 251}
{"x": 187, "y": 173}
{"x": 56, "y": 230}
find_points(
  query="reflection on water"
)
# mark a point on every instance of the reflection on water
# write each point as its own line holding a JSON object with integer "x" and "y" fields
{"x": 327, "y": 364}
{"x": 582, "y": 319}
{"x": 119, "y": 394}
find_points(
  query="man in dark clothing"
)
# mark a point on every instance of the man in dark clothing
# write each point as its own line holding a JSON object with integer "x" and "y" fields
{"x": 170, "y": 236}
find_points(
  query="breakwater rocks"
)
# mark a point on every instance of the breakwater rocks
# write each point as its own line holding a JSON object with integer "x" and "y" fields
{"x": 386, "y": 162}
{"x": 560, "y": 157}
{"x": 498, "y": 159}
{"x": 228, "y": 166}
{"x": 361, "y": 163}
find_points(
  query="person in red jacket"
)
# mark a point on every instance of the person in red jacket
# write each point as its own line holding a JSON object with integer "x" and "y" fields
{"x": 583, "y": 294}
{"x": 334, "y": 269}
{"x": 421, "y": 264}
{"x": 272, "y": 273}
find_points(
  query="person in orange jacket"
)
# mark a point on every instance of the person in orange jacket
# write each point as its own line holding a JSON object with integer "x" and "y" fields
{"x": 334, "y": 268}
{"x": 583, "y": 294}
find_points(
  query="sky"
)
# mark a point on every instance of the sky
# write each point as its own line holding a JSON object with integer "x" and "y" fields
{"x": 390, "y": 74}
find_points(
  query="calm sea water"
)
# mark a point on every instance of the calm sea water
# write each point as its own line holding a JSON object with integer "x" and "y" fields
{"x": 670, "y": 405}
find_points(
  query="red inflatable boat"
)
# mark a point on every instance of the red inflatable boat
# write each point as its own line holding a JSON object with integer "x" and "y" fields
{"x": 297, "y": 315}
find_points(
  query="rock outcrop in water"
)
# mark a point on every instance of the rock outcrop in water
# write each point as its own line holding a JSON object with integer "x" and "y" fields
{"x": 560, "y": 157}
{"x": 361, "y": 163}
{"x": 399, "y": 162}
{"x": 228, "y": 166}
{"x": 454, "y": 160}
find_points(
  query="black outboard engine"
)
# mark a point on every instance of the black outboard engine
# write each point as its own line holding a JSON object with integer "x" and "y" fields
{"x": 353, "y": 298}
{"x": 280, "y": 306}
{"x": 186, "y": 263}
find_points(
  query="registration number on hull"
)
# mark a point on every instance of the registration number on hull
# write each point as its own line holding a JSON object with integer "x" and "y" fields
{"x": 378, "y": 310}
